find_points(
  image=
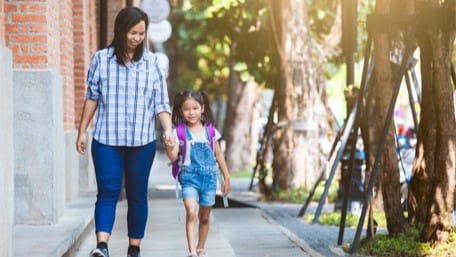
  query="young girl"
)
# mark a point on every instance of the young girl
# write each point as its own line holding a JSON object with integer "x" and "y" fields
{"x": 198, "y": 176}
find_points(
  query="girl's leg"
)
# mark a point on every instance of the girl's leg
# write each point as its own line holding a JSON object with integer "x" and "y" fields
{"x": 108, "y": 165}
{"x": 207, "y": 199}
{"x": 204, "y": 216}
{"x": 138, "y": 162}
{"x": 191, "y": 208}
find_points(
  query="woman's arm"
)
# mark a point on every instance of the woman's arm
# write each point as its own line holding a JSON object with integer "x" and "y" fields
{"x": 88, "y": 110}
{"x": 172, "y": 146}
{"x": 165, "y": 121}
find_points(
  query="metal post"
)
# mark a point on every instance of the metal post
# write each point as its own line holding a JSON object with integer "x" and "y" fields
{"x": 364, "y": 83}
{"x": 411, "y": 100}
{"x": 324, "y": 169}
{"x": 344, "y": 139}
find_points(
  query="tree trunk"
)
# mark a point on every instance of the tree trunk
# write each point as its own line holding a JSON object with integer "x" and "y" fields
{"x": 423, "y": 167}
{"x": 238, "y": 124}
{"x": 435, "y": 163}
{"x": 283, "y": 134}
{"x": 389, "y": 175}
{"x": 297, "y": 153}
{"x": 370, "y": 137}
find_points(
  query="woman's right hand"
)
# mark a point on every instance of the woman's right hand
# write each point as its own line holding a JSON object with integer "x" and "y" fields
{"x": 81, "y": 143}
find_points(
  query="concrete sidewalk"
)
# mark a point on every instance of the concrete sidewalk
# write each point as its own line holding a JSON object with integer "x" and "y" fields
{"x": 249, "y": 228}
{"x": 240, "y": 232}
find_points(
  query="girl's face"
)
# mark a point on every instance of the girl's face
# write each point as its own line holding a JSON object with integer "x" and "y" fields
{"x": 135, "y": 35}
{"x": 192, "y": 111}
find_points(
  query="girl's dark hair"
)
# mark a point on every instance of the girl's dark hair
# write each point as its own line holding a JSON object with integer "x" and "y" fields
{"x": 201, "y": 97}
{"x": 125, "y": 20}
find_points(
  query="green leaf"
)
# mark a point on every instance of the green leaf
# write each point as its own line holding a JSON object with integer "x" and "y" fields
{"x": 240, "y": 66}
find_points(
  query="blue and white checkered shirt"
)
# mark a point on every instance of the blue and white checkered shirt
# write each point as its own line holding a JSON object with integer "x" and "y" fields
{"x": 128, "y": 98}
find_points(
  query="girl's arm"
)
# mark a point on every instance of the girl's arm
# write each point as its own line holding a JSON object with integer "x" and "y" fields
{"x": 226, "y": 188}
{"x": 172, "y": 149}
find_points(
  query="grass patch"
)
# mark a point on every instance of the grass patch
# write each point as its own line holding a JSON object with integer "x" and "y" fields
{"x": 299, "y": 195}
{"x": 333, "y": 219}
{"x": 405, "y": 245}
{"x": 241, "y": 174}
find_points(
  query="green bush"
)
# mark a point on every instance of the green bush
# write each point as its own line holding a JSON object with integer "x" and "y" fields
{"x": 405, "y": 245}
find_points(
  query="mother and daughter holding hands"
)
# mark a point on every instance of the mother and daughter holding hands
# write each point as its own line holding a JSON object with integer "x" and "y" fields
{"x": 128, "y": 91}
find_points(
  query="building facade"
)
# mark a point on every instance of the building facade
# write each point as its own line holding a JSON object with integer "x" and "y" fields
{"x": 45, "y": 51}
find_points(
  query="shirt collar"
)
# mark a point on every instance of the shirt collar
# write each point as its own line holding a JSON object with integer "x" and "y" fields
{"x": 144, "y": 57}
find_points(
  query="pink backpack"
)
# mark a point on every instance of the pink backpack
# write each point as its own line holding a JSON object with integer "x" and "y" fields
{"x": 182, "y": 136}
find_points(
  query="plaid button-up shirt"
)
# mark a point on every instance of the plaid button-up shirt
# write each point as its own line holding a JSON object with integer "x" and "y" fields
{"x": 128, "y": 98}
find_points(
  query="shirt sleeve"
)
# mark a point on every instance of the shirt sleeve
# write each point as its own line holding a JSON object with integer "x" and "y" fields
{"x": 161, "y": 89}
{"x": 217, "y": 135}
{"x": 93, "y": 78}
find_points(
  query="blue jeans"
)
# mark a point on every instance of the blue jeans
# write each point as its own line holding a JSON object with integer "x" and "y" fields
{"x": 111, "y": 164}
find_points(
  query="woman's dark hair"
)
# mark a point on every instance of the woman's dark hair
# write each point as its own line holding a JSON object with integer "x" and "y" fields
{"x": 125, "y": 20}
{"x": 201, "y": 97}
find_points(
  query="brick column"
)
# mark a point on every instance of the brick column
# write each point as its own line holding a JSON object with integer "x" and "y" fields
{"x": 85, "y": 34}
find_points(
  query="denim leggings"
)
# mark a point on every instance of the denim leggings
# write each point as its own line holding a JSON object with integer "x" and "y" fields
{"x": 111, "y": 164}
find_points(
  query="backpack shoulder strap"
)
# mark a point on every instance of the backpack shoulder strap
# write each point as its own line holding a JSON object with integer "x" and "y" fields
{"x": 181, "y": 135}
{"x": 211, "y": 132}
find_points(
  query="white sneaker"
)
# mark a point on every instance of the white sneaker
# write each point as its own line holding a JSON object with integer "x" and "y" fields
{"x": 201, "y": 253}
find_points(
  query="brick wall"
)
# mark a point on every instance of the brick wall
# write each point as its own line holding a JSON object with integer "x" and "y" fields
{"x": 2, "y": 23}
{"x": 67, "y": 62}
{"x": 32, "y": 33}
{"x": 113, "y": 8}
{"x": 85, "y": 44}
{"x": 54, "y": 34}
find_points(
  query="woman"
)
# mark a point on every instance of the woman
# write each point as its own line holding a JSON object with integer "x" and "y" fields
{"x": 128, "y": 90}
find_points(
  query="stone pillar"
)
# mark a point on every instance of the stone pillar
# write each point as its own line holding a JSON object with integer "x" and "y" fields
{"x": 7, "y": 155}
{"x": 38, "y": 146}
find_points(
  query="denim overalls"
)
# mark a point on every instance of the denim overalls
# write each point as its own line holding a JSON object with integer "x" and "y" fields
{"x": 199, "y": 179}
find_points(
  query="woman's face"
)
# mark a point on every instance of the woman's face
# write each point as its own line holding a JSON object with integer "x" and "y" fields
{"x": 135, "y": 35}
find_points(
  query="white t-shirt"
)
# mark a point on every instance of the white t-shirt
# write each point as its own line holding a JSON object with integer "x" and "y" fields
{"x": 195, "y": 138}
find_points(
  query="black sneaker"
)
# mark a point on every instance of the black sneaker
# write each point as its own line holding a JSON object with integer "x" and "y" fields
{"x": 99, "y": 252}
{"x": 133, "y": 251}
{"x": 134, "y": 254}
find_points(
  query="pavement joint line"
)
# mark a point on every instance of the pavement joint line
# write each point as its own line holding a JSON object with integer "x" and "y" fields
{"x": 295, "y": 239}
